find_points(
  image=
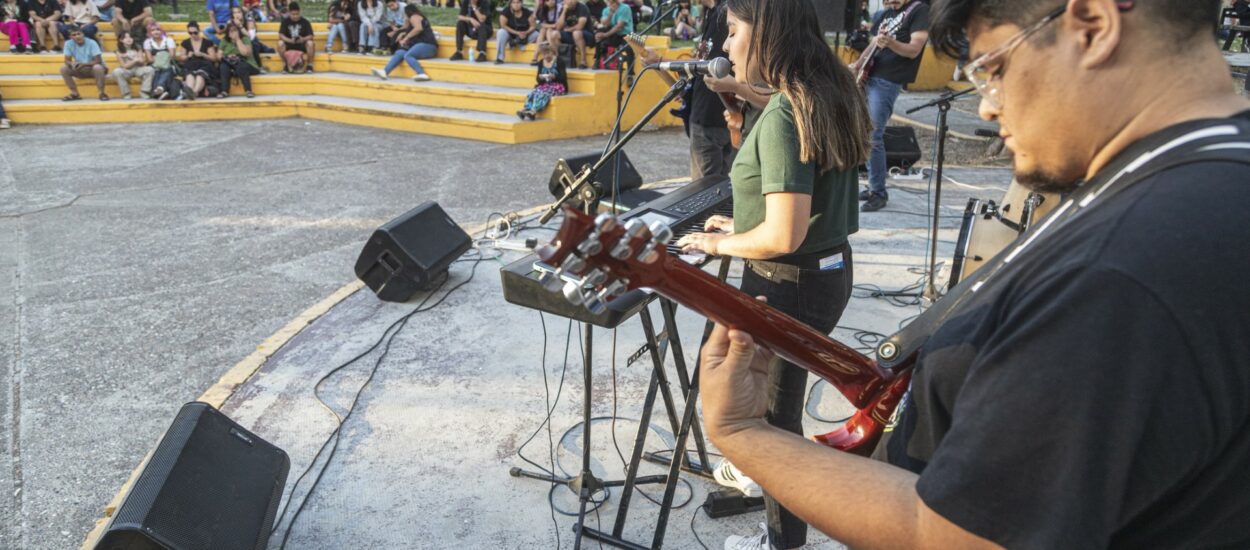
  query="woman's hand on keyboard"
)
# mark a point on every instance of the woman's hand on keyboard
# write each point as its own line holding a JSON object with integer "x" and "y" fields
{"x": 724, "y": 224}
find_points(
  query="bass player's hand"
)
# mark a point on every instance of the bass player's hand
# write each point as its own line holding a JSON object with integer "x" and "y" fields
{"x": 733, "y": 378}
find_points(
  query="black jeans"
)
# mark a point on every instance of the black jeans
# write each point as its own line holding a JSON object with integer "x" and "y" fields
{"x": 816, "y": 299}
{"x": 482, "y": 33}
{"x": 239, "y": 68}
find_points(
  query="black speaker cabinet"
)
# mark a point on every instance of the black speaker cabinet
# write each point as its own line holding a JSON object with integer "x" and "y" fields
{"x": 630, "y": 178}
{"x": 411, "y": 252}
{"x": 210, "y": 485}
{"x": 901, "y": 148}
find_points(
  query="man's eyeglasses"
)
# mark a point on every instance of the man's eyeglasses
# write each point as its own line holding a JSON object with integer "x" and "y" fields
{"x": 985, "y": 72}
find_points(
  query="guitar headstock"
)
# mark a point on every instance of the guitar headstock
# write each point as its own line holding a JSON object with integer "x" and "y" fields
{"x": 595, "y": 260}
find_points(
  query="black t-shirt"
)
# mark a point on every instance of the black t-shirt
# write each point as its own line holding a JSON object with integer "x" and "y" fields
{"x": 131, "y": 8}
{"x": 595, "y": 7}
{"x": 706, "y": 108}
{"x": 483, "y": 6}
{"x": 44, "y": 9}
{"x": 294, "y": 29}
{"x": 889, "y": 65}
{"x": 426, "y": 36}
{"x": 571, "y": 17}
{"x": 1095, "y": 392}
{"x": 518, "y": 23}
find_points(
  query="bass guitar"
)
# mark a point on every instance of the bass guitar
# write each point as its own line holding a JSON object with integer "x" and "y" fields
{"x": 733, "y": 105}
{"x": 594, "y": 260}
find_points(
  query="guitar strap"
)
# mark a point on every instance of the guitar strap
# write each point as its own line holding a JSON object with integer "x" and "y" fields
{"x": 1217, "y": 140}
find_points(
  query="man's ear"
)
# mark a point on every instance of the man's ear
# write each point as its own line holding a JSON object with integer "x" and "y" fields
{"x": 1098, "y": 25}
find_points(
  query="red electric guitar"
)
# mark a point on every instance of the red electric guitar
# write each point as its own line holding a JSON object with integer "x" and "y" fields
{"x": 863, "y": 66}
{"x": 594, "y": 260}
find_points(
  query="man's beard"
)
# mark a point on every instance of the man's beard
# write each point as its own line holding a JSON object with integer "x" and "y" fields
{"x": 1043, "y": 182}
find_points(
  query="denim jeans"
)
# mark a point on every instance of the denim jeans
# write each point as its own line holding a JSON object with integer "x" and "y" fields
{"x": 89, "y": 30}
{"x": 339, "y": 30}
{"x": 411, "y": 55}
{"x": 817, "y": 299}
{"x": 501, "y": 41}
{"x": 881, "y": 96}
{"x": 210, "y": 32}
{"x": 369, "y": 34}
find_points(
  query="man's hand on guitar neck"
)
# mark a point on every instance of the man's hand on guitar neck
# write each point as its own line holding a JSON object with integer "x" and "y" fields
{"x": 735, "y": 372}
{"x": 730, "y": 85}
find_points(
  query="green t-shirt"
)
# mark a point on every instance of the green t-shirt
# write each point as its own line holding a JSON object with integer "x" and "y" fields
{"x": 623, "y": 15}
{"x": 229, "y": 48}
{"x": 769, "y": 163}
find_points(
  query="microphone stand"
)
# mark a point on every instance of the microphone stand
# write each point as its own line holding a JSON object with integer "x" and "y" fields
{"x": 943, "y": 103}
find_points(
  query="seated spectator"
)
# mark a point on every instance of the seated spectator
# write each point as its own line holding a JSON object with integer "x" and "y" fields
{"x": 236, "y": 61}
{"x": 83, "y": 59}
{"x": 415, "y": 42}
{"x": 574, "y": 28}
{"x": 105, "y": 9}
{"x": 615, "y": 22}
{"x": 131, "y": 16}
{"x": 81, "y": 15}
{"x": 369, "y": 17}
{"x": 392, "y": 24}
{"x": 642, "y": 10}
{"x": 546, "y": 15}
{"x": 13, "y": 24}
{"x": 277, "y": 9}
{"x": 4, "y": 119}
{"x": 684, "y": 23}
{"x": 244, "y": 21}
{"x": 132, "y": 62}
{"x": 596, "y": 7}
{"x": 295, "y": 41}
{"x": 552, "y": 81}
{"x": 45, "y": 17}
{"x": 474, "y": 21}
{"x": 159, "y": 49}
{"x": 218, "y": 16}
{"x": 256, "y": 10}
{"x": 339, "y": 15}
{"x": 198, "y": 57}
{"x": 517, "y": 27}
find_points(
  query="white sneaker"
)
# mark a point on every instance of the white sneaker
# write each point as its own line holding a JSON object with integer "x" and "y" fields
{"x": 378, "y": 73}
{"x": 728, "y": 475}
{"x": 753, "y": 542}
{"x": 422, "y": 77}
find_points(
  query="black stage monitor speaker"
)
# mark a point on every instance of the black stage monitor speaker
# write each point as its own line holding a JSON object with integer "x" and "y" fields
{"x": 210, "y": 485}
{"x": 630, "y": 178}
{"x": 832, "y": 14}
{"x": 901, "y": 148}
{"x": 411, "y": 252}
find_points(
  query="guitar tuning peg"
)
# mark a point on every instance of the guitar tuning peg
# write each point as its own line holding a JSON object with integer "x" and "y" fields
{"x": 596, "y": 277}
{"x": 574, "y": 264}
{"x": 550, "y": 281}
{"x": 573, "y": 293}
{"x": 591, "y": 246}
{"x": 648, "y": 254}
{"x": 595, "y": 304}
{"x": 613, "y": 290}
{"x": 632, "y": 229}
{"x": 605, "y": 222}
{"x": 660, "y": 232}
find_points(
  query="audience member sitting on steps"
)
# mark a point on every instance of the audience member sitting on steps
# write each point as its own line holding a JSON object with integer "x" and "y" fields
{"x": 159, "y": 49}
{"x": 415, "y": 42}
{"x": 295, "y": 41}
{"x": 131, "y": 16}
{"x": 245, "y": 21}
{"x": 255, "y": 9}
{"x": 516, "y": 29}
{"x": 616, "y": 21}
{"x": 339, "y": 16}
{"x": 13, "y": 24}
{"x": 132, "y": 62}
{"x": 474, "y": 22}
{"x": 197, "y": 56}
{"x": 83, "y": 59}
{"x": 552, "y": 81}
{"x": 369, "y": 14}
{"x": 218, "y": 16}
{"x": 236, "y": 60}
{"x": 392, "y": 25}
{"x": 277, "y": 9}
{"x": 685, "y": 25}
{"x": 546, "y": 14}
{"x": 83, "y": 15}
{"x": 574, "y": 28}
{"x": 45, "y": 17}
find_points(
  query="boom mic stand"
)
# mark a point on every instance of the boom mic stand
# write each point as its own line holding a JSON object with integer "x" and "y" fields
{"x": 585, "y": 483}
{"x": 943, "y": 103}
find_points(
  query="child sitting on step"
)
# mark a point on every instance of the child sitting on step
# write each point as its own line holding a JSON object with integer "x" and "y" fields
{"x": 552, "y": 81}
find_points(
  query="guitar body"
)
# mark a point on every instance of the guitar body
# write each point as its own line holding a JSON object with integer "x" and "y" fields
{"x": 734, "y": 118}
{"x": 592, "y": 261}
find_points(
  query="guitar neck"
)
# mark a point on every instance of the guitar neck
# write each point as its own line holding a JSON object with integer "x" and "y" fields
{"x": 859, "y": 378}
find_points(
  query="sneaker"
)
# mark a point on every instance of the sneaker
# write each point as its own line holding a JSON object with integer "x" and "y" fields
{"x": 378, "y": 73}
{"x": 499, "y": 61}
{"x": 874, "y": 203}
{"x": 308, "y": 68}
{"x": 753, "y": 542}
{"x": 456, "y": 57}
{"x": 4, "y": 124}
{"x": 480, "y": 57}
{"x": 728, "y": 475}
{"x": 864, "y": 194}
{"x": 521, "y": 114}
{"x": 422, "y": 77}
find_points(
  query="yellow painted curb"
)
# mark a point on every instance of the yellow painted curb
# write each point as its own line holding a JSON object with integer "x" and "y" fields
{"x": 218, "y": 393}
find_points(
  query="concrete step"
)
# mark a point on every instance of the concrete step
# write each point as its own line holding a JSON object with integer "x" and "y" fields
{"x": 457, "y": 123}
{"x": 451, "y": 95}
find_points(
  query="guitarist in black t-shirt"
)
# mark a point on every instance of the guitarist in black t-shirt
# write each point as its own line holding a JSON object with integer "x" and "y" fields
{"x": 1090, "y": 387}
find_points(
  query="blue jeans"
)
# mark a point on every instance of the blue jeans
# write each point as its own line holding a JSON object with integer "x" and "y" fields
{"x": 210, "y": 32}
{"x": 881, "y": 96}
{"x": 89, "y": 30}
{"x": 340, "y": 30}
{"x": 411, "y": 55}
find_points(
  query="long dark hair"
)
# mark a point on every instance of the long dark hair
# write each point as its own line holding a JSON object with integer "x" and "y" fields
{"x": 830, "y": 111}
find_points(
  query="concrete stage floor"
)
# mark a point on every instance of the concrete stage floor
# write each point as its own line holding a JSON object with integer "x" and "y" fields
{"x": 141, "y": 262}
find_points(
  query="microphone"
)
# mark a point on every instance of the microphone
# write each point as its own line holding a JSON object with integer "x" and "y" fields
{"x": 986, "y": 132}
{"x": 718, "y": 67}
